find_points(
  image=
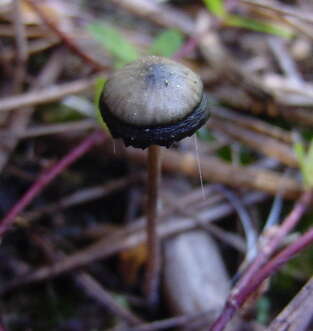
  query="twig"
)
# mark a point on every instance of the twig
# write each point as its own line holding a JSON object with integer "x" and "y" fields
{"x": 46, "y": 95}
{"x": 90, "y": 285}
{"x": 245, "y": 219}
{"x": 70, "y": 43}
{"x": 252, "y": 123}
{"x": 96, "y": 291}
{"x": 286, "y": 63}
{"x": 216, "y": 171}
{"x": 273, "y": 265}
{"x": 21, "y": 118}
{"x": 281, "y": 9}
{"x": 49, "y": 129}
{"x": 83, "y": 195}
{"x": 275, "y": 212}
{"x": 35, "y": 46}
{"x": 173, "y": 322}
{"x": 48, "y": 176}
{"x": 21, "y": 45}
{"x": 229, "y": 238}
{"x": 298, "y": 313}
{"x": 251, "y": 279}
{"x": 160, "y": 14}
{"x": 127, "y": 238}
{"x": 264, "y": 144}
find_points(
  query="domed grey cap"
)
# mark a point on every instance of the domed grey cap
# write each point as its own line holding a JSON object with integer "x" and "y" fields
{"x": 153, "y": 101}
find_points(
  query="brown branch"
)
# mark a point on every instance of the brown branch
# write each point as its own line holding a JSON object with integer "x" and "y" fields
{"x": 259, "y": 142}
{"x": 21, "y": 45}
{"x": 253, "y": 276}
{"x": 160, "y": 14}
{"x": 217, "y": 171}
{"x": 20, "y": 119}
{"x": 50, "y": 129}
{"x": 89, "y": 284}
{"x": 46, "y": 95}
{"x": 253, "y": 123}
{"x": 43, "y": 180}
{"x": 69, "y": 42}
{"x": 127, "y": 238}
{"x": 298, "y": 313}
{"x": 280, "y": 9}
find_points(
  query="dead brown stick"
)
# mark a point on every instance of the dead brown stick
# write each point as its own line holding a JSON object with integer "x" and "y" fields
{"x": 125, "y": 239}
{"x": 94, "y": 289}
{"x": 20, "y": 119}
{"x": 31, "y": 31}
{"x": 280, "y": 9}
{"x": 35, "y": 46}
{"x": 173, "y": 322}
{"x": 49, "y": 129}
{"x": 89, "y": 284}
{"x": 297, "y": 114}
{"x": 235, "y": 98}
{"x": 161, "y": 14}
{"x": 46, "y": 95}
{"x": 69, "y": 42}
{"x": 252, "y": 123}
{"x": 298, "y": 313}
{"x": 217, "y": 171}
{"x": 227, "y": 237}
{"x": 83, "y": 195}
{"x": 21, "y": 45}
{"x": 226, "y": 65}
{"x": 259, "y": 142}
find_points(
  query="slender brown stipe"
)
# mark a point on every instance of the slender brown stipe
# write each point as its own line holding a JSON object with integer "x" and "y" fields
{"x": 153, "y": 102}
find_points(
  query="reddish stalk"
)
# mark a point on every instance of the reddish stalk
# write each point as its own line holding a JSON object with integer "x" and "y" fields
{"x": 70, "y": 43}
{"x": 272, "y": 266}
{"x": 2, "y": 328}
{"x": 48, "y": 175}
{"x": 251, "y": 279}
{"x": 153, "y": 241}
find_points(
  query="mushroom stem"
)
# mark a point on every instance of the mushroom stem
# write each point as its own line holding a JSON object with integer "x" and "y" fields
{"x": 153, "y": 244}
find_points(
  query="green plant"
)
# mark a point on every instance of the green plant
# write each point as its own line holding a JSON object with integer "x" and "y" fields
{"x": 305, "y": 159}
{"x": 217, "y": 8}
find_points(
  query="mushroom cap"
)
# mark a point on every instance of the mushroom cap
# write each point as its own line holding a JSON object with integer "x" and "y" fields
{"x": 152, "y": 91}
{"x": 146, "y": 101}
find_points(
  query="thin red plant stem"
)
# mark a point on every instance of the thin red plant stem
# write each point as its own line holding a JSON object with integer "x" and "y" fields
{"x": 70, "y": 43}
{"x": 153, "y": 242}
{"x": 269, "y": 269}
{"x": 239, "y": 294}
{"x": 273, "y": 265}
{"x": 48, "y": 175}
{"x": 190, "y": 45}
{"x": 2, "y": 328}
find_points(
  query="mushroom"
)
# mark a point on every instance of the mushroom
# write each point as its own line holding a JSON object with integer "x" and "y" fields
{"x": 153, "y": 102}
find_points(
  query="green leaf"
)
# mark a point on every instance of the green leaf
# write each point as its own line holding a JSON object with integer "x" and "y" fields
{"x": 98, "y": 90}
{"x": 299, "y": 151}
{"x": 306, "y": 162}
{"x": 252, "y": 24}
{"x": 114, "y": 42}
{"x": 167, "y": 43}
{"x": 216, "y": 7}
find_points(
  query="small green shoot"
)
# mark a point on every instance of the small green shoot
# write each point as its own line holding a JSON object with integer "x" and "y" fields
{"x": 167, "y": 43}
{"x": 98, "y": 89}
{"x": 305, "y": 159}
{"x": 114, "y": 42}
{"x": 255, "y": 25}
{"x": 217, "y": 8}
{"x": 263, "y": 310}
